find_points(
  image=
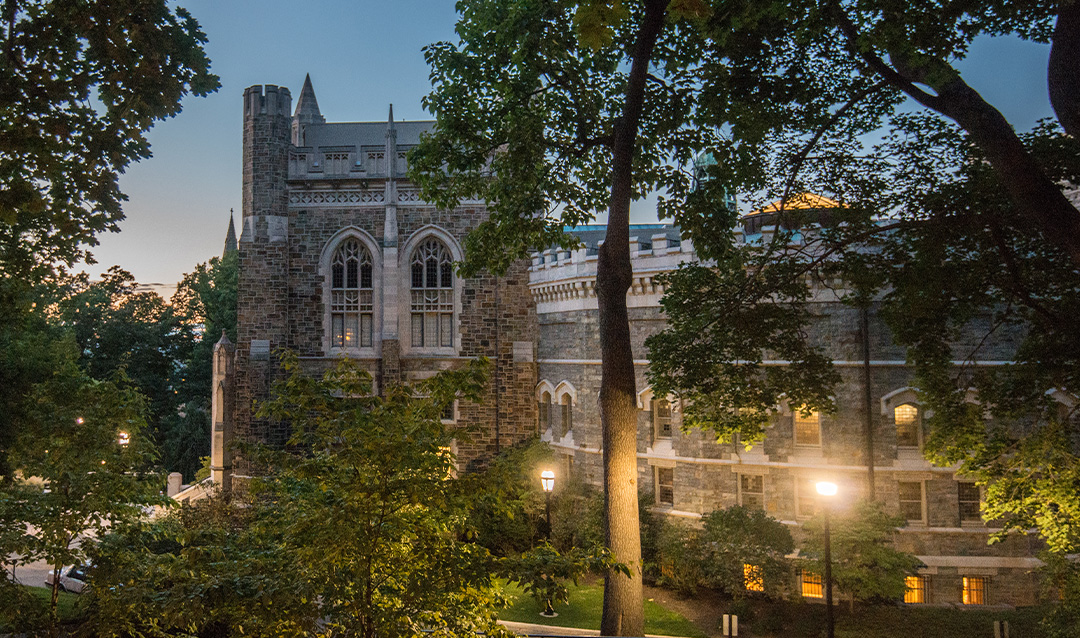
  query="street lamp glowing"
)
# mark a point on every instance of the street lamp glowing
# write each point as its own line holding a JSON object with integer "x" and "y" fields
{"x": 79, "y": 420}
{"x": 547, "y": 480}
{"x": 124, "y": 438}
{"x": 826, "y": 489}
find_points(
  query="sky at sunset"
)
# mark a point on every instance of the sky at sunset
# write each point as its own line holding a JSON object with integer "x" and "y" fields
{"x": 362, "y": 55}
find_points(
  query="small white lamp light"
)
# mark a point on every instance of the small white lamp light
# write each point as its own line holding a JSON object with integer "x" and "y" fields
{"x": 123, "y": 438}
{"x": 547, "y": 480}
{"x": 826, "y": 488}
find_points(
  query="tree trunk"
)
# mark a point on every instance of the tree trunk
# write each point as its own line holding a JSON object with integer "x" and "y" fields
{"x": 1063, "y": 70}
{"x": 623, "y": 607}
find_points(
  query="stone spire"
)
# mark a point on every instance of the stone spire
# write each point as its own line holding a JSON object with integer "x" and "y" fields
{"x": 307, "y": 112}
{"x": 230, "y": 237}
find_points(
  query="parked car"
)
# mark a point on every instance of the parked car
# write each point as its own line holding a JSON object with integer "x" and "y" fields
{"x": 72, "y": 579}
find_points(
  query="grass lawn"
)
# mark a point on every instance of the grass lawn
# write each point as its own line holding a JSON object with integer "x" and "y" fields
{"x": 586, "y": 603}
{"x": 65, "y": 604}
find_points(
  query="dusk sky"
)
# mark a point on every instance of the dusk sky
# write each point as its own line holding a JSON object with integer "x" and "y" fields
{"x": 362, "y": 55}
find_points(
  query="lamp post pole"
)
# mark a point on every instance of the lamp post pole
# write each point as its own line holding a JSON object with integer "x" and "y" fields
{"x": 827, "y": 489}
{"x": 828, "y": 577}
{"x": 547, "y": 481}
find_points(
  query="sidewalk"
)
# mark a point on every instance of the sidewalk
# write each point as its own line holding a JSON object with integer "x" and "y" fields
{"x": 531, "y": 629}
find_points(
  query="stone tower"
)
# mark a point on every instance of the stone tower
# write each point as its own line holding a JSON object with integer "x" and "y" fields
{"x": 262, "y": 293}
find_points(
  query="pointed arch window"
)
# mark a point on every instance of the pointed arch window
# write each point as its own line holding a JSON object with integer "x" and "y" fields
{"x": 432, "y": 301}
{"x": 351, "y": 308}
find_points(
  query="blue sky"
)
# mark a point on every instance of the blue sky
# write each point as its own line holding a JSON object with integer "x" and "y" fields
{"x": 362, "y": 55}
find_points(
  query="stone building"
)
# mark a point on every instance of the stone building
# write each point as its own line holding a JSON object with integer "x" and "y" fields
{"x": 340, "y": 257}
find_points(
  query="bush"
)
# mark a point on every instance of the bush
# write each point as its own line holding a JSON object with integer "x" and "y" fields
{"x": 738, "y": 536}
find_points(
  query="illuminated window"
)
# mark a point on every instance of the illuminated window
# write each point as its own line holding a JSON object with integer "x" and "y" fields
{"x": 911, "y": 500}
{"x": 432, "y": 300}
{"x": 807, "y": 429}
{"x": 752, "y": 491}
{"x": 906, "y": 417}
{"x": 916, "y": 590}
{"x": 968, "y": 495}
{"x": 543, "y": 410}
{"x": 665, "y": 486}
{"x": 974, "y": 590}
{"x": 661, "y": 409}
{"x": 567, "y": 406}
{"x": 812, "y": 586}
{"x": 753, "y": 579}
{"x": 806, "y": 498}
{"x": 350, "y": 296}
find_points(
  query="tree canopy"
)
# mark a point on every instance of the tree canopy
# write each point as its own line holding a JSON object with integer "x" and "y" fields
{"x": 81, "y": 83}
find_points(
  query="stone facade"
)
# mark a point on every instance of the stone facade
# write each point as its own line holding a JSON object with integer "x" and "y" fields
{"x": 311, "y": 188}
{"x": 691, "y": 474}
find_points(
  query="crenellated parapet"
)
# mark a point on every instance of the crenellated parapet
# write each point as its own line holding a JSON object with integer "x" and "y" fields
{"x": 565, "y": 280}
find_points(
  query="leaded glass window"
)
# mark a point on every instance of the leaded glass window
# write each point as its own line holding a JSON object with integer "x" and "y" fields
{"x": 432, "y": 296}
{"x": 351, "y": 296}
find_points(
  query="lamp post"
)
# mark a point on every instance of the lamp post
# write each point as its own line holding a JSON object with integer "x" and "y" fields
{"x": 825, "y": 488}
{"x": 547, "y": 481}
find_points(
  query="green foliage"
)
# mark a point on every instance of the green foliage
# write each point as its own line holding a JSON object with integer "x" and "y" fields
{"x": 357, "y": 527}
{"x": 1062, "y": 579}
{"x": 205, "y": 569}
{"x": 365, "y": 507}
{"x": 543, "y": 571}
{"x": 76, "y": 479}
{"x": 527, "y": 104}
{"x": 205, "y": 298}
{"x": 739, "y": 536}
{"x": 506, "y": 513}
{"x": 82, "y": 83}
{"x": 674, "y": 556}
{"x": 866, "y": 565}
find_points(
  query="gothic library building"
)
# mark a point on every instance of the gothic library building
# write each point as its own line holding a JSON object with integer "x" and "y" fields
{"x": 339, "y": 256}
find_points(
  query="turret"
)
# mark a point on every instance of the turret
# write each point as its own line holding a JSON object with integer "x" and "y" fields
{"x": 221, "y": 409}
{"x": 230, "y": 237}
{"x": 307, "y": 112}
{"x": 267, "y": 124}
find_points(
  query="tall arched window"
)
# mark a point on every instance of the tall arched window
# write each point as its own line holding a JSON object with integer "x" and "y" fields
{"x": 350, "y": 296}
{"x": 432, "y": 302}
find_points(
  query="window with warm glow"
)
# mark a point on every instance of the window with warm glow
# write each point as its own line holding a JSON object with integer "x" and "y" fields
{"x": 351, "y": 302}
{"x": 916, "y": 590}
{"x": 968, "y": 496}
{"x": 974, "y": 590}
{"x": 807, "y": 429}
{"x": 432, "y": 296}
{"x": 906, "y": 417}
{"x": 911, "y": 500}
{"x": 665, "y": 486}
{"x": 752, "y": 490}
{"x": 661, "y": 409}
{"x": 753, "y": 578}
{"x": 567, "y": 414}
{"x": 812, "y": 586}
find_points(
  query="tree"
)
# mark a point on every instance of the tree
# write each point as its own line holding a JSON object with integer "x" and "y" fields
{"x": 366, "y": 507}
{"x": 82, "y": 83}
{"x": 550, "y": 112}
{"x": 949, "y": 224}
{"x": 85, "y": 464}
{"x": 205, "y": 304}
{"x": 865, "y": 564}
{"x": 743, "y": 549}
